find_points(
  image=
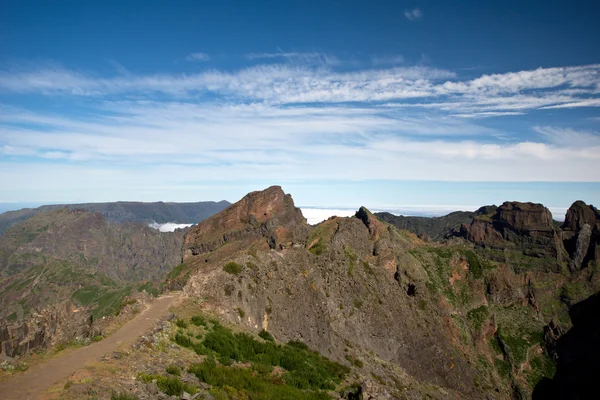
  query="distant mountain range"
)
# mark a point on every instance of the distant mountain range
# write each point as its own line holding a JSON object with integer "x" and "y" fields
{"x": 127, "y": 211}
{"x": 434, "y": 227}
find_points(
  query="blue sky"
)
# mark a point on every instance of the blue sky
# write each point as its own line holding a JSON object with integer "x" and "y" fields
{"x": 389, "y": 104}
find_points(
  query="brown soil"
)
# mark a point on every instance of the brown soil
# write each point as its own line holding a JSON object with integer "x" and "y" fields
{"x": 30, "y": 384}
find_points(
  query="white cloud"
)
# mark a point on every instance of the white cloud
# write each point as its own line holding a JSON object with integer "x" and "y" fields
{"x": 198, "y": 57}
{"x": 488, "y": 95}
{"x": 413, "y": 14}
{"x": 316, "y": 215}
{"x": 168, "y": 227}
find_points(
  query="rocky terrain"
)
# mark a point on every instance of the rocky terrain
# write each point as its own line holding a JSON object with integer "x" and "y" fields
{"x": 466, "y": 318}
{"x": 501, "y": 308}
{"x": 435, "y": 228}
{"x": 59, "y": 269}
{"x": 127, "y": 211}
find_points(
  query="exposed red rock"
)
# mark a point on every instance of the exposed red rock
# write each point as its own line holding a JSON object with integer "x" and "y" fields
{"x": 268, "y": 214}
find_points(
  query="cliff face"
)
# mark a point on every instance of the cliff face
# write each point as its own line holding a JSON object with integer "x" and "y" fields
{"x": 57, "y": 323}
{"x": 521, "y": 228}
{"x": 270, "y": 214}
{"x": 122, "y": 252}
{"x": 60, "y": 268}
{"x": 581, "y": 235}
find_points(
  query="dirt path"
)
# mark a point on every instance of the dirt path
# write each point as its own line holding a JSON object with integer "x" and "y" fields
{"x": 31, "y": 383}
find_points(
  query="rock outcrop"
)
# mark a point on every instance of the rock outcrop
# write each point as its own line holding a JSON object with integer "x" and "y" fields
{"x": 523, "y": 228}
{"x": 54, "y": 324}
{"x": 269, "y": 215}
{"x": 581, "y": 235}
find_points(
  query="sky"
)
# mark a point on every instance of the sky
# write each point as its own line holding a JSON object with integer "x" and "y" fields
{"x": 423, "y": 105}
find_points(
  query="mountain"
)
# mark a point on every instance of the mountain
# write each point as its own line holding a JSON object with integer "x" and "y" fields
{"x": 59, "y": 266}
{"x": 127, "y": 211}
{"x": 436, "y": 228}
{"x": 463, "y": 319}
{"x": 501, "y": 308}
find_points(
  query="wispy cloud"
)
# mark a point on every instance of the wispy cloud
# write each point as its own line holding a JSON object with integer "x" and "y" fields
{"x": 387, "y": 59}
{"x": 569, "y": 137}
{"x": 414, "y": 14}
{"x": 198, "y": 57}
{"x": 402, "y": 87}
{"x": 310, "y": 58}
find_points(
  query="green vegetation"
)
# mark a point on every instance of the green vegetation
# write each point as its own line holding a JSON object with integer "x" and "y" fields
{"x": 12, "y": 317}
{"x": 232, "y": 268}
{"x": 173, "y": 370}
{"x": 124, "y": 303}
{"x": 318, "y": 248}
{"x": 241, "y": 312}
{"x": 307, "y": 374}
{"x": 541, "y": 367}
{"x": 474, "y": 264}
{"x": 266, "y": 336}
{"x": 354, "y": 361}
{"x": 368, "y": 268}
{"x": 172, "y": 385}
{"x": 478, "y": 316}
{"x": 149, "y": 288}
{"x": 243, "y": 383}
{"x": 107, "y": 301}
{"x": 180, "y": 323}
{"x": 198, "y": 320}
{"x": 123, "y": 396}
{"x": 175, "y": 272}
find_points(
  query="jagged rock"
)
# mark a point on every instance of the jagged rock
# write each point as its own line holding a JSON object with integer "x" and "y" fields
{"x": 268, "y": 216}
{"x": 581, "y": 235}
{"x": 580, "y": 214}
{"x": 54, "y": 324}
{"x": 581, "y": 248}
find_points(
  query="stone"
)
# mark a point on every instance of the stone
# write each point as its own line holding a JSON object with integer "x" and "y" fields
{"x": 152, "y": 388}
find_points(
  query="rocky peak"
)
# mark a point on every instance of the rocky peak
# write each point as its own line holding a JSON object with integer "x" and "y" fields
{"x": 270, "y": 214}
{"x": 581, "y": 235}
{"x": 524, "y": 216}
{"x": 580, "y": 214}
{"x": 374, "y": 225}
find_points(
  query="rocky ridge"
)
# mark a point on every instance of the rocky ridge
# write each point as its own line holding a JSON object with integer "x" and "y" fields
{"x": 343, "y": 285}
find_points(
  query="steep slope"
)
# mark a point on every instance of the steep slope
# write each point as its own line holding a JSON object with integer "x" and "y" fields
{"x": 461, "y": 319}
{"x": 435, "y": 228}
{"x": 59, "y": 268}
{"x": 127, "y": 211}
{"x": 349, "y": 288}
